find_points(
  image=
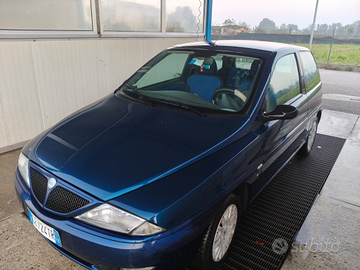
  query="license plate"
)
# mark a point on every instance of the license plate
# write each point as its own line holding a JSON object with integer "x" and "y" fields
{"x": 45, "y": 230}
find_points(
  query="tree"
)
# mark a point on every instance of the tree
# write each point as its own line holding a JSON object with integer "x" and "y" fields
{"x": 182, "y": 20}
{"x": 245, "y": 28}
{"x": 322, "y": 29}
{"x": 350, "y": 32}
{"x": 340, "y": 30}
{"x": 283, "y": 29}
{"x": 293, "y": 27}
{"x": 229, "y": 22}
{"x": 357, "y": 29}
{"x": 307, "y": 30}
{"x": 268, "y": 25}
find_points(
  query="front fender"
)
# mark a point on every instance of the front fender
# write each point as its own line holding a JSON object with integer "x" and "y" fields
{"x": 196, "y": 189}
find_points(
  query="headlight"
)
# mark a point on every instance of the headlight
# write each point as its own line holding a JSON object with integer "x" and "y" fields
{"x": 114, "y": 219}
{"x": 23, "y": 165}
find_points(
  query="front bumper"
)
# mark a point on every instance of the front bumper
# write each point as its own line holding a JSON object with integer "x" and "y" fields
{"x": 94, "y": 248}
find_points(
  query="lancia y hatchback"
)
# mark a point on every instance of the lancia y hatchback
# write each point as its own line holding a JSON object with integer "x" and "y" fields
{"x": 158, "y": 172}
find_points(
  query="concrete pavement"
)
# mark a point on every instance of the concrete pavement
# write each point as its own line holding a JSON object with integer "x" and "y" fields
{"x": 329, "y": 237}
{"x": 341, "y": 91}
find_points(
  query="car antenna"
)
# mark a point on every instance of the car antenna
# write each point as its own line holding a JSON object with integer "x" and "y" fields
{"x": 213, "y": 43}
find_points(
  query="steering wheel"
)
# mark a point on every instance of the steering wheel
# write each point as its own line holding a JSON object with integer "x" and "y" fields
{"x": 226, "y": 97}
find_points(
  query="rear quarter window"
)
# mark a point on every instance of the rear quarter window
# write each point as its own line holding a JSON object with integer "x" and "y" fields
{"x": 311, "y": 73}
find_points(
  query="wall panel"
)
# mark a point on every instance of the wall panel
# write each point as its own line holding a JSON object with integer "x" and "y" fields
{"x": 3, "y": 128}
{"x": 67, "y": 74}
{"x": 21, "y": 111}
{"x": 43, "y": 81}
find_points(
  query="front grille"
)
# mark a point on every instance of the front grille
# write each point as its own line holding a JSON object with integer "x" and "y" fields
{"x": 64, "y": 201}
{"x": 38, "y": 184}
{"x": 59, "y": 200}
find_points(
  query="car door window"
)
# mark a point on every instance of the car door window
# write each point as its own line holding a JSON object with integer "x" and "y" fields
{"x": 168, "y": 68}
{"x": 284, "y": 83}
{"x": 311, "y": 72}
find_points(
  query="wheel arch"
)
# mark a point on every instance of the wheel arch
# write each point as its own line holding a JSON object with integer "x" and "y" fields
{"x": 319, "y": 114}
{"x": 244, "y": 192}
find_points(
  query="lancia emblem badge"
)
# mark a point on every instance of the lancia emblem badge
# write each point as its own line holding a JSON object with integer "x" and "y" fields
{"x": 51, "y": 183}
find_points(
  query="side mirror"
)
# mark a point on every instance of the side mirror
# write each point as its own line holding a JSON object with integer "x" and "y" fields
{"x": 279, "y": 113}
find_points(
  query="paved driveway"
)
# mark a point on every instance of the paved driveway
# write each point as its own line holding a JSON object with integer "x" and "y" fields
{"x": 341, "y": 91}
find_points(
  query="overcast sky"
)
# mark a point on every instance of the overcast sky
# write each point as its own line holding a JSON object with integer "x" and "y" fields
{"x": 300, "y": 12}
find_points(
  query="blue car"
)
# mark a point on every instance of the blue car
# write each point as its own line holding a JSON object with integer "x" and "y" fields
{"x": 157, "y": 174}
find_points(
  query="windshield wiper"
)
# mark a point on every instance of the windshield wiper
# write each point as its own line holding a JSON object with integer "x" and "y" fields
{"x": 164, "y": 101}
{"x": 179, "y": 104}
{"x": 141, "y": 96}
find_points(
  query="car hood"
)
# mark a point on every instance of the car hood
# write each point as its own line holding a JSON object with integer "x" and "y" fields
{"x": 116, "y": 146}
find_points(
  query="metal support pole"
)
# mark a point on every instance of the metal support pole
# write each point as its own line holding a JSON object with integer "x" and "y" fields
{"x": 332, "y": 41}
{"x": 313, "y": 25}
{"x": 208, "y": 21}
{"x": 289, "y": 36}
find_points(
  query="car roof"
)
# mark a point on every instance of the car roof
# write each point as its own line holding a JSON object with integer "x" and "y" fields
{"x": 243, "y": 45}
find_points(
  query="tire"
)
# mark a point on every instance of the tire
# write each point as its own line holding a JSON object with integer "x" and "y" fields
{"x": 220, "y": 234}
{"x": 308, "y": 145}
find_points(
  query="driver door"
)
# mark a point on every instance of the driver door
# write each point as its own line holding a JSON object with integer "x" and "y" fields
{"x": 280, "y": 138}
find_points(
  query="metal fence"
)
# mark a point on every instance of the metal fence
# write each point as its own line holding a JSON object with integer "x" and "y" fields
{"x": 329, "y": 52}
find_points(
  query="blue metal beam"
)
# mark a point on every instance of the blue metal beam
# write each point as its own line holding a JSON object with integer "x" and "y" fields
{"x": 208, "y": 21}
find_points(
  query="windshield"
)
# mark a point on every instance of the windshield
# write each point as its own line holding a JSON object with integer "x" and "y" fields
{"x": 208, "y": 83}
